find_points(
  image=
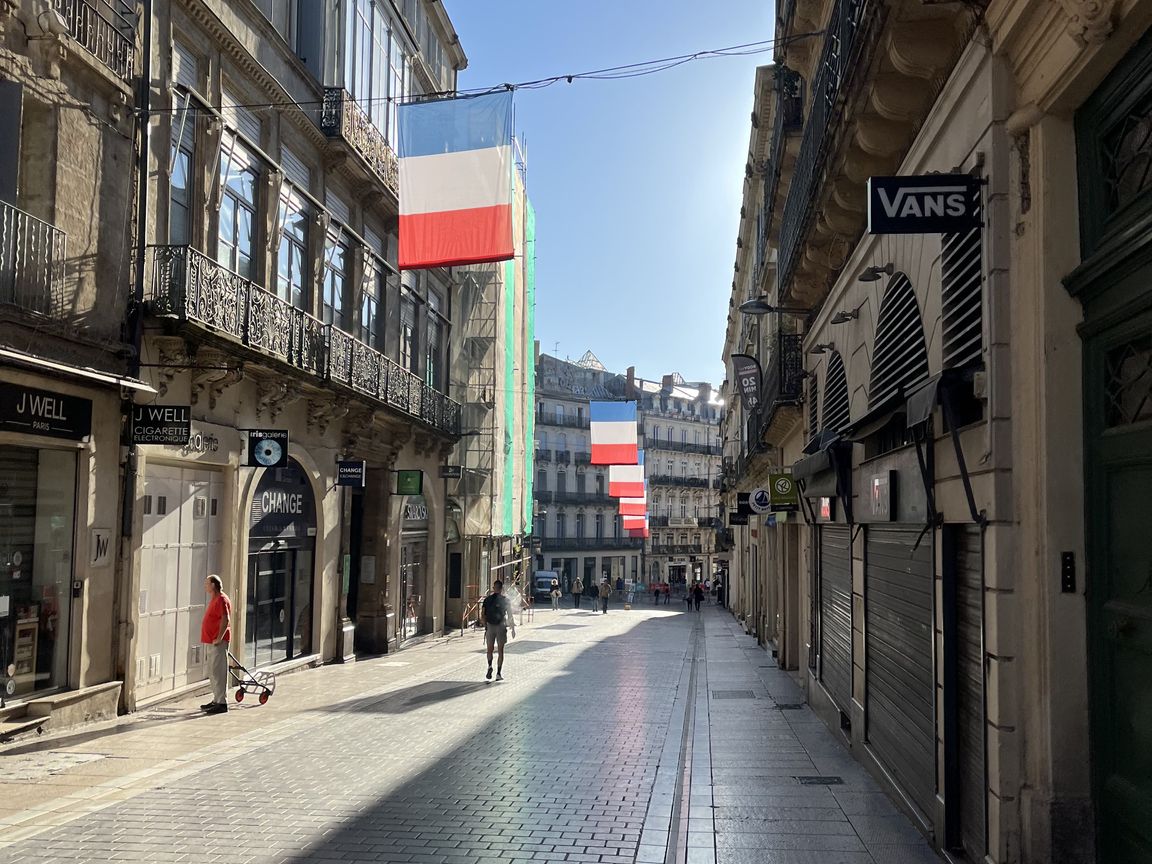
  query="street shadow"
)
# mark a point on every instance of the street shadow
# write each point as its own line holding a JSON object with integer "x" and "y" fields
{"x": 407, "y": 699}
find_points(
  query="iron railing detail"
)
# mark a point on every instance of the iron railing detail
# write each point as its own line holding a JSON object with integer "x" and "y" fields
{"x": 106, "y": 29}
{"x": 783, "y": 385}
{"x": 670, "y": 480}
{"x": 681, "y": 446}
{"x": 188, "y": 285}
{"x": 32, "y": 270}
{"x": 678, "y": 549}
{"x": 342, "y": 117}
{"x": 556, "y": 543}
{"x": 837, "y": 71}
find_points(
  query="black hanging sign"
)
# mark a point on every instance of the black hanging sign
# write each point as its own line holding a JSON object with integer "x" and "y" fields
{"x": 267, "y": 448}
{"x": 748, "y": 379}
{"x": 160, "y": 424}
{"x": 351, "y": 472}
{"x": 451, "y": 472}
{"x": 735, "y": 517}
{"x": 43, "y": 412}
{"x": 925, "y": 204}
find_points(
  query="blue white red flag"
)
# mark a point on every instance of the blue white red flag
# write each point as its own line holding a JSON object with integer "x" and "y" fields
{"x": 633, "y": 506}
{"x": 639, "y": 532}
{"x": 627, "y": 481}
{"x": 456, "y": 181}
{"x": 631, "y": 523}
{"x": 613, "y": 427}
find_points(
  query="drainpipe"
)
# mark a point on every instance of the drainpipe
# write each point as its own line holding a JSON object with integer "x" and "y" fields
{"x": 135, "y": 326}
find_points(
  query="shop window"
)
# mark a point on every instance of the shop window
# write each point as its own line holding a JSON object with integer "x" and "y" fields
{"x": 37, "y": 504}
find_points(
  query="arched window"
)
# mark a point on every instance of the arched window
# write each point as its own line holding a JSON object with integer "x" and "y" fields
{"x": 899, "y": 355}
{"x": 835, "y": 408}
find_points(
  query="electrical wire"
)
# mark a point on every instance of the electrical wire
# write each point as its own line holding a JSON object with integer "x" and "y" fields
{"x": 608, "y": 73}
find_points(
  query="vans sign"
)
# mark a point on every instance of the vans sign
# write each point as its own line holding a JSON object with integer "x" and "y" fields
{"x": 928, "y": 204}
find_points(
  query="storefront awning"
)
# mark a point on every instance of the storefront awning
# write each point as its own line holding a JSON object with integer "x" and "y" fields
{"x": 879, "y": 416}
{"x": 922, "y": 401}
{"x": 43, "y": 364}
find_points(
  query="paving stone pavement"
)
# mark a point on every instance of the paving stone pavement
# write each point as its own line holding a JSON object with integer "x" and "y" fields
{"x": 645, "y": 736}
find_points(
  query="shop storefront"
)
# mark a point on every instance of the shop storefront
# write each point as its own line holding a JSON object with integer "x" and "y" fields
{"x": 37, "y": 516}
{"x": 278, "y": 608}
{"x": 413, "y": 565}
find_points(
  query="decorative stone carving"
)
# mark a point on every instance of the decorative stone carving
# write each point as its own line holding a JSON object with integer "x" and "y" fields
{"x": 322, "y": 413}
{"x": 880, "y": 137}
{"x": 1089, "y": 21}
{"x": 901, "y": 98}
{"x": 213, "y": 376}
{"x": 922, "y": 49}
{"x": 173, "y": 357}
{"x": 275, "y": 395}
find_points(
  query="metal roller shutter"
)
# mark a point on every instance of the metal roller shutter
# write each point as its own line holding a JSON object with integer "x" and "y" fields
{"x": 969, "y": 561}
{"x": 899, "y": 676}
{"x": 836, "y": 613}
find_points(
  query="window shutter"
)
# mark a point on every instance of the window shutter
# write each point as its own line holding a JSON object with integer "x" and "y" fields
{"x": 835, "y": 409}
{"x": 900, "y": 356}
{"x": 962, "y": 307}
{"x": 243, "y": 120}
{"x": 185, "y": 67}
{"x": 295, "y": 169}
{"x": 337, "y": 206}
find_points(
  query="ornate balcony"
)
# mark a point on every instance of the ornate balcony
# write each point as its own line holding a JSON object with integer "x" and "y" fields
{"x": 671, "y": 480}
{"x": 343, "y": 119}
{"x": 681, "y": 446}
{"x": 548, "y": 418}
{"x": 543, "y": 455}
{"x": 106, "y": 29}
{"x": 32, "y": 265}
{"x": 189, "y": 286}
{"x": 553, "y": 544}
{"x": 781, "y": 395}
{"x": 582, "y": 458}
{"x": 678, "y": 550}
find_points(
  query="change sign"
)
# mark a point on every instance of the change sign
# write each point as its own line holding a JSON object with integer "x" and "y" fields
{"x": 926, "y": 204}
{"x": 161, "y": 424}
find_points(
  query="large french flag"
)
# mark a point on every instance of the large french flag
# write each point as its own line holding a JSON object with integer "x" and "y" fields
{"x": 456, "y": 181}
{"x": 633, "y": 506}
{"x": 613, "y": 428}
{"x": 627, "y": 481}
{"x": 640, "y": 532}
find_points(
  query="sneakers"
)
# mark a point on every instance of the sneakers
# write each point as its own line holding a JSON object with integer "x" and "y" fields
{"x": 489, "y": 675}
{"x": 499, "y": 677}
{"x": 218, "y": 708}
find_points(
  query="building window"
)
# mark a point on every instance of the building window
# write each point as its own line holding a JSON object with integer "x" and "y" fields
{"x": 561, "y": 525}
{"x": 559, "y": 415}
{"x": 371, "y": 54}
{"x": 337, "y": 258}
{"x": 617, "y": 524}
{"x": 372, "y": 304}
{"x": 655, "y": 434}
{"x": 408, "y": 344}
{"x": 434, "y": 368}
{"x": 599, "y": 526}
{"x": 180, "y": 182}
{"x": 599, "y": 483}
{"x": 282, "y": 14}
{"x": 561, "y": 480}
{"x": 542, "y": 441}
{"x": 292, "y": 261}
{"x": 542, "y": 481}
{"x": 579, "y": 526}
{"x": 684, "y": 468}
{"x": 683, "y": 508}
{"x": 238, "y": 176}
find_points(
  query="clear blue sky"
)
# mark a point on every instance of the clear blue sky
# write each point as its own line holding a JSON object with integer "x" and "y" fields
{"x": 636, "y": 183}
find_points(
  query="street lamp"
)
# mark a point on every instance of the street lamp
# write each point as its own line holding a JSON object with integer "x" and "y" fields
{"x": 761, "y": 306}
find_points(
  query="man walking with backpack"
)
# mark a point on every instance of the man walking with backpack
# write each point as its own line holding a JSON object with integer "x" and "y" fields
{"x": 497, "y": 614}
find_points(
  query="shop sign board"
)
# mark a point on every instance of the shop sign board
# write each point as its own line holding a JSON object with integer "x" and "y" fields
{"x": 784, "y": 497}
{"x": 351, "y": 472}
{"x": 267, "y": 448}
{"x": 283, "y": 506}
{"x": 410, "y": 482}
{"x": 880, "y": 490}
{"x": 760, "y": 500}
{"x": 160, "y": 424}
{"x": 923, "y": 204}
{"x": 735, "y": 517}
{"x": 743, "y": 504}
{"x": 44, "y": 412}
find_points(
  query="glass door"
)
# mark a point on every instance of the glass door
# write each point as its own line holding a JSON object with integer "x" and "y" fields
{"x": 411, "y": 588}
{"x": 302, "y": 604}
{"x": 266, "y": 630}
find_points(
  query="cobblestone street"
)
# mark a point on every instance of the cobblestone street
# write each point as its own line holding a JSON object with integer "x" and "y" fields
{"x": 640, "y": 736}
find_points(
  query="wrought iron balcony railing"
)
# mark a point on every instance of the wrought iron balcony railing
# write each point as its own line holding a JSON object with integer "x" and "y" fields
{"x": 342, "y": 117}
{"x": 563, "y": 457}
{"x": 188, "y": 285}
{"x": 548, "y": 418}
{"x": 670, "y": 480}
{"x": 678, "y": 549}
{"x": 565, "y": 496}
{"x": 783, "y": 385}
{"x": 106, "y": 29}
{"x": 656, "y": 443}
{"x": 559, "y": 543}
{"x": 543, "y": 455}
{"x": 32, "y": 264}
{"x": 581, "y": 458}
{"x": 836, "y": 74}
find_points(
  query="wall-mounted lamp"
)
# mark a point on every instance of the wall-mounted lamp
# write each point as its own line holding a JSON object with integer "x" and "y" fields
{"x": 873, "y": 273}
{"x": 761, "y": 306}
{"x": 822, "y": 348}
{"x": 843, "y": 317}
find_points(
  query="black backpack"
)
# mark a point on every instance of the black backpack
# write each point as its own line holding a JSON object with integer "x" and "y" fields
{"x": 494, "y": 606}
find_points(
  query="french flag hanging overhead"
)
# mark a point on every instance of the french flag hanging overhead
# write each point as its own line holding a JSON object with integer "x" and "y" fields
{"x": 613, "y": 427}
{"x": 633, "y": 506}
{"x": 627, "y": 481}
{"x": 631, "y": 523}
{"x": 639, "y": 532}
{"x": 456, "y": 181}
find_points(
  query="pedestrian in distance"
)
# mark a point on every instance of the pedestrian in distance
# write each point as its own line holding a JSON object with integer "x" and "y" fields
{"x": 605, "y": 593}
{"x": 620, "y": 586}
{"x": 556, "y": 594}
{"x": 496, "y": 613}
{"x": 655, "y": 593}
{"x": 666, "y": 591}
{"x": 216, "y": 633}
{"x": 577, "y": 591}
{"x": 698, "y": 595}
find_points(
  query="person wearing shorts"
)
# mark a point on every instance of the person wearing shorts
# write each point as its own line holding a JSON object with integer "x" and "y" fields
{"x": 497, "y": 614}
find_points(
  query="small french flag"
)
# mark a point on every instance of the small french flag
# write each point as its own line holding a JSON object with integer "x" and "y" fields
{"x": 633, "y": 506}
{"x": 631, "y": 523}
{"x": 613, "y": 427}
{"x": 627, "y": 481}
